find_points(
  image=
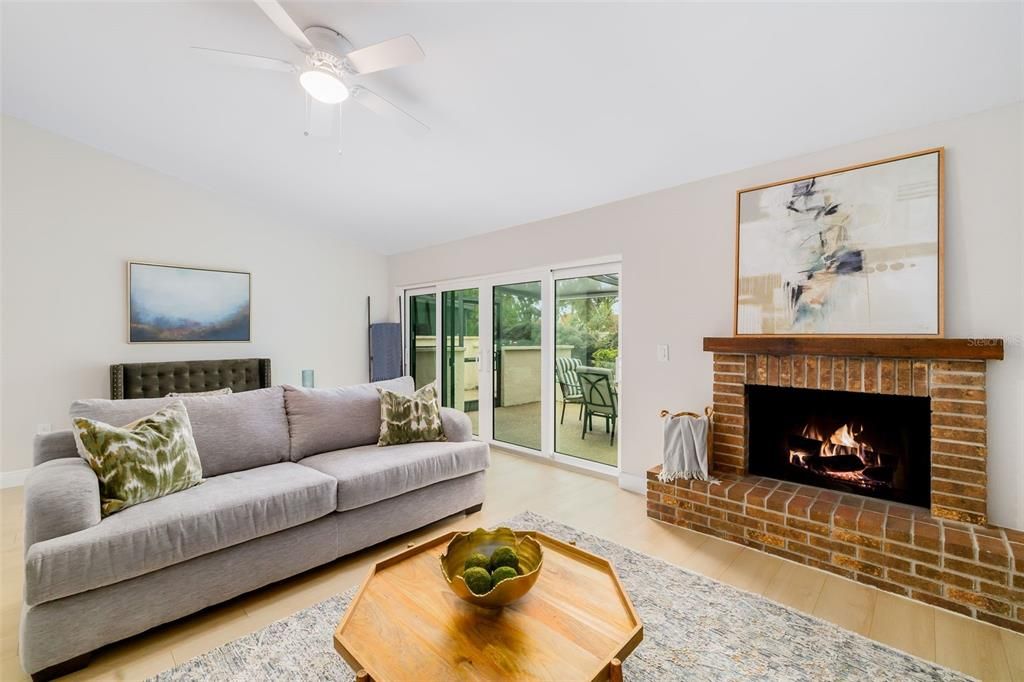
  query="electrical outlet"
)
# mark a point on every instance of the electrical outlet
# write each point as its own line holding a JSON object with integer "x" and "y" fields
{"x": 662, "y": 352}
{"x": 42, "y": 428}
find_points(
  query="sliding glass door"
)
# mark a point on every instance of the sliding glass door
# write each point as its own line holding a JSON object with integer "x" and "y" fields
{"x": 517, "y": 364}
{"x": 531, "y": 357}
{"x": 422, "y": 328}
{"x": 460, "y": 352}
{"x": 586, "y": 366}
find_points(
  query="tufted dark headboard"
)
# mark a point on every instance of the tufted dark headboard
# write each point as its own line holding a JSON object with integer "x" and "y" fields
{"x": 157, "y": 379}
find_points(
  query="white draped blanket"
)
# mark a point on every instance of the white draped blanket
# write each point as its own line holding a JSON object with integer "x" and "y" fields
{"x": 686, "y": 448}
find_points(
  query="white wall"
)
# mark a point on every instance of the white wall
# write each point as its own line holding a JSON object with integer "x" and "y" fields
{"x": 71, "y": 218}
{"x": 678, "y": 248}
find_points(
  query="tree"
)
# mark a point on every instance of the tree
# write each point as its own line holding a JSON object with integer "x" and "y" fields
{"x": 589, "y": 325}
{"x": 518, "y": 313}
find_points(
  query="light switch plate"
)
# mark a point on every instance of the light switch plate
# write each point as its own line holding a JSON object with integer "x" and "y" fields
{"x": 662, "y": 352}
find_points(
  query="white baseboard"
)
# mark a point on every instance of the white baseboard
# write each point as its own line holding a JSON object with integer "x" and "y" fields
{"x": 633, "y": 483}
{"x": 12, "y": 479}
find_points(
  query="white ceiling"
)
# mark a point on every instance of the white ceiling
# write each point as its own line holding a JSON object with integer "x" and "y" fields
{"x": 536, "y": 109}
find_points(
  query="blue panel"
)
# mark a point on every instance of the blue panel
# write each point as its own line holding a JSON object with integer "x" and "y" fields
{"x": 385, "y": 351}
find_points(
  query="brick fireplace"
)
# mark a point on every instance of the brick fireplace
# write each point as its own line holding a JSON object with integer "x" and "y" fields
{"x": 849, "y": 512}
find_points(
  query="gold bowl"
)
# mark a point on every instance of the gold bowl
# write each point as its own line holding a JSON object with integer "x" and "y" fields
{"x": 531, "y": 557}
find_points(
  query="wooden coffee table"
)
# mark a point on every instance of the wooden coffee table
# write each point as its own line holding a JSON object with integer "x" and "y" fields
{"x": 577, "y": 623}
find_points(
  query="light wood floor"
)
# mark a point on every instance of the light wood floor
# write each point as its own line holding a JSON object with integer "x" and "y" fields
{"x": 592, "y": 504}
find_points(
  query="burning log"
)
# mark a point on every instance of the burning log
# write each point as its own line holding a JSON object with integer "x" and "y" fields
{"x": 842, "y": 463}
{"x": 880, "y": 474}
{"x": 844, "y": 450}
{"x": 839, "y": 455}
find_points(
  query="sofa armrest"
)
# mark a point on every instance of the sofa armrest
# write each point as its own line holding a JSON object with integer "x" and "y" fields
{"x": 457, "y": 426}
{"x": 62, "y": 496}
{"x": 54, "y": 445}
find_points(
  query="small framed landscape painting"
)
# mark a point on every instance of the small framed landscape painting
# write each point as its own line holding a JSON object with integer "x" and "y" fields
{"x": 171, "y": 303}
{"x": 850, "y": 252}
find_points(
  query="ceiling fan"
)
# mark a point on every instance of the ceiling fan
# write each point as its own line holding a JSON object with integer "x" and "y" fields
{"x": 328, "y": 64}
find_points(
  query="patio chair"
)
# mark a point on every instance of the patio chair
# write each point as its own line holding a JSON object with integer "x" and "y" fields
{"x": 569, "y": 383}
{"x": 599, "y": 399}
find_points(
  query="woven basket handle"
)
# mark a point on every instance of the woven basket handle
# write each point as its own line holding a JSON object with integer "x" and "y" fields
{"x": 709, "y": 412}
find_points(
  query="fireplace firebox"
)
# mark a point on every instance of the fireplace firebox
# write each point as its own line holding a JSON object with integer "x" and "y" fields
{"x": 867, "y": 444}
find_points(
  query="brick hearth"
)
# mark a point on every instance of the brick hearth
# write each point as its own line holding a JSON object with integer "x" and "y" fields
{"x": 971, "y": 569}
{"x": 946, "y": 556}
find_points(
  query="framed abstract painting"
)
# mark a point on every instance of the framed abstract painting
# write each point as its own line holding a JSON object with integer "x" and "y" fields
{"x": 850, "y": 252}
{"x": 172, "y": 303}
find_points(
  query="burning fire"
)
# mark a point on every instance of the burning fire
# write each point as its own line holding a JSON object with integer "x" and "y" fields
{"x": 842, "y": 455}
{"x": 843, "y": 441}
{"x": 851, "y": 476}
{"x": 846, "y": 436}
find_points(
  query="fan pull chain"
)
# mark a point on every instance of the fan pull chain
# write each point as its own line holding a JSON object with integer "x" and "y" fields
{"x": 338, "y": 129}
{"x": 309, "y": 105}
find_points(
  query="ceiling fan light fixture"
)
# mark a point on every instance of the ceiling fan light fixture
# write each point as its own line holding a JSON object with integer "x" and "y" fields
{"x": 323, "y": 85}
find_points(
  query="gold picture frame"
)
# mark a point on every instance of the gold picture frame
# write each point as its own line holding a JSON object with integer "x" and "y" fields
{"x": 939, "y": 252}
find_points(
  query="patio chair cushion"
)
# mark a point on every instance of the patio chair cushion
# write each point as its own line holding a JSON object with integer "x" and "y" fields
{"x": 565, "y": 372}
{"x": 598, "y": 392}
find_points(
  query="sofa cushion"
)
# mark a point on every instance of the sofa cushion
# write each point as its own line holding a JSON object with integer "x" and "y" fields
{"x": 225, "y": 510}
{"x": 410, "y": 419}
{"x": 326, "y": 419}
{"x": 369, "y": 474}
{"x": 146, "y": 459}
{"x": 232, "y": 432}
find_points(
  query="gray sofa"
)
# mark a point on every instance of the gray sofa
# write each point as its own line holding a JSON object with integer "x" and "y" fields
{"x": 293, "y": 479}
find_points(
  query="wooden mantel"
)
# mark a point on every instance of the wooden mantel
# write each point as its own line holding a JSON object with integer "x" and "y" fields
{"x": 882, "y": 347}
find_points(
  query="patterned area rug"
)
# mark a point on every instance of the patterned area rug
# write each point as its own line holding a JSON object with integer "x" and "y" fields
{"x": 694, "y": 629}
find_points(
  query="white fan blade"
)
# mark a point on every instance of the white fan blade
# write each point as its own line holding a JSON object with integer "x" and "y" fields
{"x": 287, "y": 26}
{"x": 250, "y": 61}
{"x": 382, "y": 107}
{"x": 387, "y": 55}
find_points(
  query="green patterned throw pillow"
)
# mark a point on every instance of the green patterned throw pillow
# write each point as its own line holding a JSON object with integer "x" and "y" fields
{"x": 149, "y": 458}
{"x": 410, "y": 419}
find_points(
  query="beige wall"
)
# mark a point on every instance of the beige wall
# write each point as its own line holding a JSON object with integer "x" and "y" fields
{"x": 72, "y": 216}
{"x": 521, "y": 373}
{"x": 677, "y": 269}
